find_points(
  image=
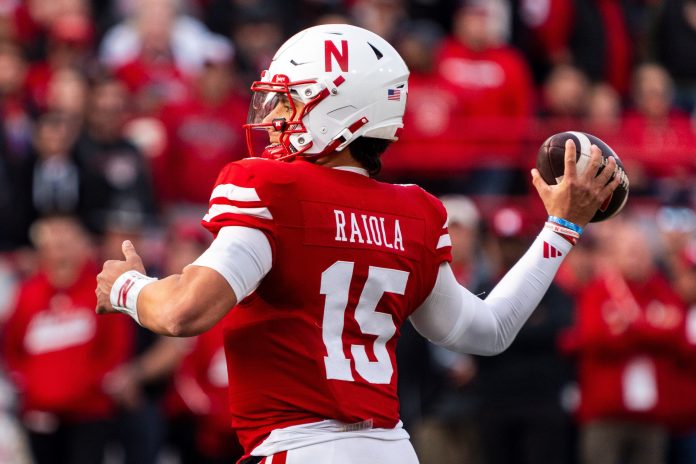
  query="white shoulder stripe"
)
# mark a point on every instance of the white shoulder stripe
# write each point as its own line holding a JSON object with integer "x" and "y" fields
{"x": 235, "y": 193}
{"x": 444, "y": 241}
{"x": 217, "y": 210}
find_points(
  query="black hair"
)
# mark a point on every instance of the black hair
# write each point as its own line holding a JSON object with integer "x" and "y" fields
{"x": 367, "y": 152}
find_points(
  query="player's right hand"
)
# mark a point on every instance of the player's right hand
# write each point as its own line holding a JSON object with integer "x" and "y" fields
{"x": 578, "y": 196}
{"x": 111, "y": 271}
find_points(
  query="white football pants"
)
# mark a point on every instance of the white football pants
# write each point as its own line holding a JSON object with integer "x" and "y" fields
{"x": 359, "y": 450}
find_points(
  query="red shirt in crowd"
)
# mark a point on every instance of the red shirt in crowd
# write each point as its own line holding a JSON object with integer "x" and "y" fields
{"x": 430, "y": 126}
{"x": 202, "y": 139}
{"x": 59, "y": 350}
{"x": 664, "y": 147}
{"x": 159, "y": 79}
{"x": 494, "y": 100}
{"x": 631, "y": 341}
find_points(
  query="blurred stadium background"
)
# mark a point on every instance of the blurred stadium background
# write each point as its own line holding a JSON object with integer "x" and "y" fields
{"x": 116, "y": 116}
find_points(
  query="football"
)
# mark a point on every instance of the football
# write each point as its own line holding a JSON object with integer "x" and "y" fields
{"x": 551, "y": 161}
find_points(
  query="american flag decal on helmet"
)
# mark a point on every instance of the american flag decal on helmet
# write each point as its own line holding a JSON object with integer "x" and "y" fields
{"x": 394, "y": 94}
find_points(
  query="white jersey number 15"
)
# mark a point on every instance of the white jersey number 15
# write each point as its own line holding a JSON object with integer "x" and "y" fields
{"x": 335, "y": 284}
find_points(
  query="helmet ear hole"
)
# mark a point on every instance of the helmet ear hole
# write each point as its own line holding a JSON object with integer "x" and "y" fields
{"x": 343, "y": 113}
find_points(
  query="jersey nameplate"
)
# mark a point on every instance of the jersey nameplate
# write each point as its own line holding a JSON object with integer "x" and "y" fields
{"x": 330, "y": 225}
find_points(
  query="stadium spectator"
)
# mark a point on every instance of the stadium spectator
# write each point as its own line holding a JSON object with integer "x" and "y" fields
{"x": 157, "y": 51}
{"x": 653, "y": 93}
{"x": 257, "y": 29}
{"x": 492, "y": 78}
{"x": 524, "y": 391}
{"x": 564, "y": 98}
{"x": 15, "y": 147}
{"x": 138, "y": 385}
{"x": 654, "y": 129}
{"x": 201, "y": 414}
{"x": 69, "y": 47}
{"x": 431, "y": 105}
{"x": 32, "y": 22}
{"x": 67, "y": 93}
{"x": 676, "y": 226}
{"x": 158, "y": 31}
{"x": 683, "y": 442}
{"x": 205, "y": 134}
{"x": 14, "y": 445}
{"x": 383, "y": 17}
{"x": 15, "y": 110}
{"x": 494, "y": 89}
{"x": 543, "y": 34}
{"x": 59, "y": 352}
{"x": 630, "y": 334}
{"x": 674, "y": 41}
{"x": 580, "y": 268}
{"x": 115, "y": 174}
{"x": 199, "y": 424}
{"x": 603, "y": 112}
{"x": 600, "y": 42}
{"x": 54, "y": 186}
{"x": 448, "y": 432}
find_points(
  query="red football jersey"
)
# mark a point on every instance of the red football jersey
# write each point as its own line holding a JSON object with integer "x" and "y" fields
{"x": 352, "y": 259}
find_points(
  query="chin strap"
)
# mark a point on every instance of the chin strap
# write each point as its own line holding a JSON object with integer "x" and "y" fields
{"x": 276, "y": 152}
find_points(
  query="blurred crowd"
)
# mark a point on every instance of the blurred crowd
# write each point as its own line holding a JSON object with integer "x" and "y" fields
{"x": 117, "y": 115}
{"x": 604, "y": 370}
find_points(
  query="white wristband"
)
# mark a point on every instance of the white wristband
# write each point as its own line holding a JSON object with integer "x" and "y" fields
{"x": 124, "y": 293}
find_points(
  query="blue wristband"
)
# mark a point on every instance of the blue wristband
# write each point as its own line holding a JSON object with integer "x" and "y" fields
{"x": 564, "y": 223}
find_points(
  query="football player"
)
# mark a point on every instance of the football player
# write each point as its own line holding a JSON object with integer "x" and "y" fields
{"x": 320, "y": 264}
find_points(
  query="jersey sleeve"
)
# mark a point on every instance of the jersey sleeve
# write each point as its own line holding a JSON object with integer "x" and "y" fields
{"x": 236, "y": 200}
{"x": 440, "y": 238}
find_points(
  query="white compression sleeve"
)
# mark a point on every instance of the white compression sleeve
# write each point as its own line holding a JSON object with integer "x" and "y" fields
{"x": 242, "y": 255}
{"x": 455, "y": 318}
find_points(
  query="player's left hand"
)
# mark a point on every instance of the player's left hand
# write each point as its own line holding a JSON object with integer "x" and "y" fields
{"x": 111, "y": 271}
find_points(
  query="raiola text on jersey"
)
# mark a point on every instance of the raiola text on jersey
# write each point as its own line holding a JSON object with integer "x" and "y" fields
{"x": 365, "y": 228}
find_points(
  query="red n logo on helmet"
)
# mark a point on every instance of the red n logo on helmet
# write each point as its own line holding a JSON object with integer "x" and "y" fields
{"x": 341, "y": 57}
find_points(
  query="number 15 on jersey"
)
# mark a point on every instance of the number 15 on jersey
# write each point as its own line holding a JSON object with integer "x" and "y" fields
{"x": 335, "y": 285}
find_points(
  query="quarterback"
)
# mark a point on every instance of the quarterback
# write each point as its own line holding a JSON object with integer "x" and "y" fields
{"x": 320, "y": 264}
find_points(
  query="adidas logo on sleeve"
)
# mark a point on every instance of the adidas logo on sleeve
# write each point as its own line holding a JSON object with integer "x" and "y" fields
{"x": 551, "y": 251}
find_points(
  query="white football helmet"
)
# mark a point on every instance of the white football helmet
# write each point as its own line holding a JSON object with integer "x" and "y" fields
{"x": 351, "y": 81}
